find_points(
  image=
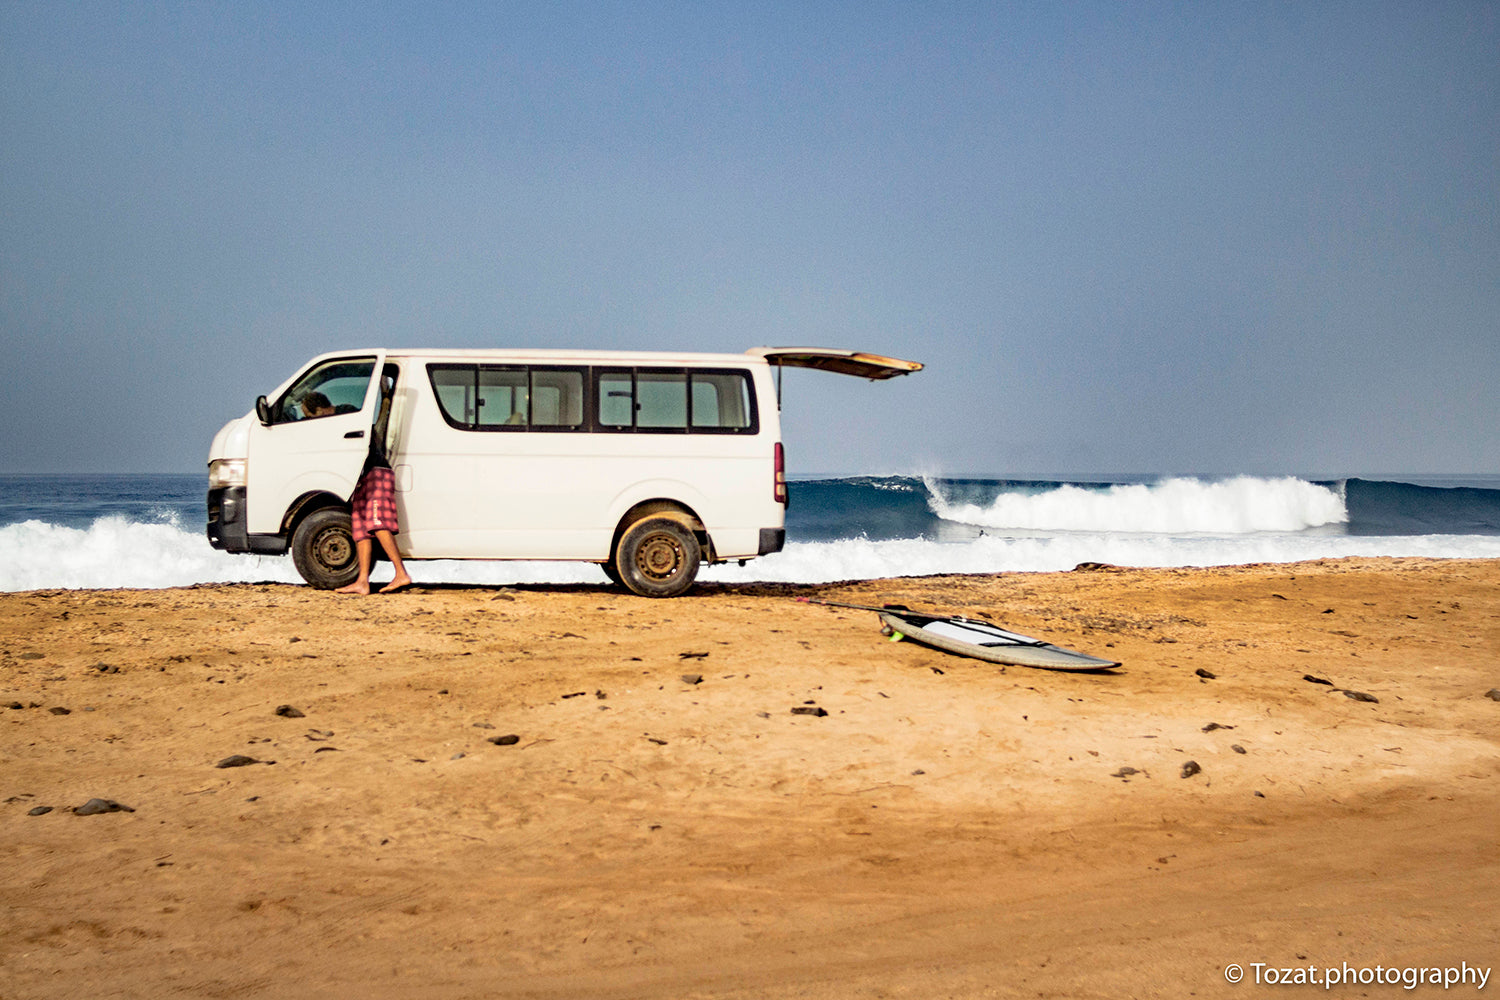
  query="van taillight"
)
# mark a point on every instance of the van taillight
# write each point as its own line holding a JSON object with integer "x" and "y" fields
{"x": 780, "y": 482}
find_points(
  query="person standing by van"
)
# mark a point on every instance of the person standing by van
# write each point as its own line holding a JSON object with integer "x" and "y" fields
{"x": 372, "y": 513}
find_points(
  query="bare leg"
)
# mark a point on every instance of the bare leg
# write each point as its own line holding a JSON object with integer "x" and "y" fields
{"x": 400, "y": 581}
{"x": 366, "y": 552}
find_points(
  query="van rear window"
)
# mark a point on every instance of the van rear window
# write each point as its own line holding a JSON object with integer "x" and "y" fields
{"x": 721, "y": 400}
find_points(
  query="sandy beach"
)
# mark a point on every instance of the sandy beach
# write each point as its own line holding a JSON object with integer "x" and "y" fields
{"x": 1297, "y": 765}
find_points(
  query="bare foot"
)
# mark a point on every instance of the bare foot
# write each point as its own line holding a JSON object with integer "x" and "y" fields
{"x": 357, "y": 587}
{"x": 400, "y": 583}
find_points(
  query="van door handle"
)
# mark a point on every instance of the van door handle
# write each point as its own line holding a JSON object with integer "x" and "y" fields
{"x": 355, "y": 434}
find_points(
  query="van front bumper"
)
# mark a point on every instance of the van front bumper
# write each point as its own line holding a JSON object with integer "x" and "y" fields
{"x": 227, "y": 528}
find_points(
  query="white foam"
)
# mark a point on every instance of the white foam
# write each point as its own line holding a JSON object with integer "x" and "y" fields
{"x": 114, "y": 552}
{"x": 823, "y": 562}
{"x": 1240, "y": 505}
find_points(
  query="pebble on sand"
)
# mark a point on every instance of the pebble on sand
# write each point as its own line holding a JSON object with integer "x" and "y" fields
{"x": 94, "y": 807}
{"x": 237, "y": 760}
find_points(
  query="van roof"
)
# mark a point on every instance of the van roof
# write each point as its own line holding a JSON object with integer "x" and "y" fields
{"x": 873, "y": 366}
{"x": 575, "y": 355}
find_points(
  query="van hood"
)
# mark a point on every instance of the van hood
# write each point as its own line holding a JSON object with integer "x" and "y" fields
{"x": 233, "y": 439}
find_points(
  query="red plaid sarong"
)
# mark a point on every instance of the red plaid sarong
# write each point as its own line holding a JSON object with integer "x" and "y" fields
{"x": 372, "y": 508}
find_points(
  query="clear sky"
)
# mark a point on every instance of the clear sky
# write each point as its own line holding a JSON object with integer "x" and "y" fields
{"x": 1123, "y": 237}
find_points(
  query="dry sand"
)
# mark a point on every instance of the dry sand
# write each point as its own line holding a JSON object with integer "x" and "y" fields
{"x": 949, "y": 828}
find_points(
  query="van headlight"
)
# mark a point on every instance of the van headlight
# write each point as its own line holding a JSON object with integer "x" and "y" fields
{"x": 226, "y": 472}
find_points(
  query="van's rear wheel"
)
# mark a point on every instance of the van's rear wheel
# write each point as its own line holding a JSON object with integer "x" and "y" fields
{"x": 658, "y": 557}
{"x": 612, "y": 571}
{"x": 323, "y": 549}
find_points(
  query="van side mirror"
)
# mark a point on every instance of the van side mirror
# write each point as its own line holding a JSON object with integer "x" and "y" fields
{"x": 263, "y": 411}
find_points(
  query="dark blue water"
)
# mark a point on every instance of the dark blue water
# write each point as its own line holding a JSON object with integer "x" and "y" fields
{"x": 1394, "y": 508}
{"x": 77, "y": 501}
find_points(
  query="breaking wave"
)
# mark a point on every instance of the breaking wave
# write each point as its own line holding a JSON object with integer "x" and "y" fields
{"x": 1237, "y": 506}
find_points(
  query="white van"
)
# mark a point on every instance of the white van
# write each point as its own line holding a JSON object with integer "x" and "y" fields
{"x": 646, "y": 463}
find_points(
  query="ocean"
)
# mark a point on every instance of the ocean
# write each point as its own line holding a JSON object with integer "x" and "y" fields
{"x": 147, "y": 531}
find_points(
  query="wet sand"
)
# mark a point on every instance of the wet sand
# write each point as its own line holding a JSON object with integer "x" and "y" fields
{"x": 948, "y": 828}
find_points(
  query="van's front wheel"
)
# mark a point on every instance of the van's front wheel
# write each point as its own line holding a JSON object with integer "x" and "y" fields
{"x": 323, "y": 549}
{"x": 658, "y": 557}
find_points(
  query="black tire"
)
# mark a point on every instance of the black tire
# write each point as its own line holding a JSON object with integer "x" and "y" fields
{"x": 323, "y": 549}
{"x": 658, "y": 557}
{"x": 612, "y": 571}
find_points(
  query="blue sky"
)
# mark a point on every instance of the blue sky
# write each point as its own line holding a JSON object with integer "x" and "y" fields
{"x": 1124, "y": 237}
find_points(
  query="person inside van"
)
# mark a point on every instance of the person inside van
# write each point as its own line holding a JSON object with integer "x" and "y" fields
{"x": 315, "y": 404}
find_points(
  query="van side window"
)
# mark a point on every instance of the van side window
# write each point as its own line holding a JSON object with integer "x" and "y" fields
{"x": 341, "y": 384}
{"x": 664, "y": 401}
{"x": 616, "y": 400}
{"x": 456, "y": 392}
{"x": 661, "y": 400}
{"x": 509, "y": 397}
{"x": 557, "y": 398}
{"x": 502, "y": 397}
{"x": 514, "y": 398}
